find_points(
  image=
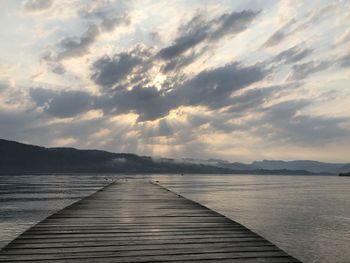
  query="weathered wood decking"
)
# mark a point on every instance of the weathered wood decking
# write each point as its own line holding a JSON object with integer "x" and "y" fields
{"x": 138, "y": 221}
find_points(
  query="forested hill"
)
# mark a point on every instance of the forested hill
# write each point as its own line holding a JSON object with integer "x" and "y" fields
{"x": 23, "y": 158}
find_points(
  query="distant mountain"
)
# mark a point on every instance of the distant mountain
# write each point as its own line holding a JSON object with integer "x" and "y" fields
{"x": 17, "y": 157}
{"x": 276, "y": 165}
{"x": 312, "y": 166}
{"x": 345, "y": 168}
{"x": 23, "y": 158}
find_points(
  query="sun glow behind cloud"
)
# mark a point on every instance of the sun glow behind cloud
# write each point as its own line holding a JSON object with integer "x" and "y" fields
{"x": 239, "y": 80}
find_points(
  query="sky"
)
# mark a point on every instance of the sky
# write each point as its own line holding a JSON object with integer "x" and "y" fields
{"x": 233, "y": 80}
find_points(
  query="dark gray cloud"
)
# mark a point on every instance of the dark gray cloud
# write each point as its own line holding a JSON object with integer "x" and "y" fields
{"x": 80, "y": 130}
{"x": 231, "y": 24}
{"x": 108, "y": 71}
{"x": 250, "y": 101}
{"x": 198, "y": 119}
{"x": 4, "y": 85}
{"x": 345, "y": 61}
{"x": 69, "y": 103}
{"x": 37, "y": 5}
{"x": 253, "y": 99}
{"x": 287, "y": 125}
{"x": 198, "y": 30}
{"x": 58, "y": 68}
{"x": 17, "y": 125}
{"x": 149, "y": 103}
{"x": 179, "y": 62}
{"x": 293, "y": 54}
{"x": 105, "y": 15}
{"x": 210, "y": 88}
{"x": 71, "y": 47}
{"x": 303, "y": 70}
{"x": 41, "y": 95}
{"x": 63, "y": 103}
{"x": 279, "y": 35}
{"x": 109, "y": 24}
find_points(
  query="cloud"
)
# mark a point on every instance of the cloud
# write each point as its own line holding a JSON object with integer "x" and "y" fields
{"x": 321, "y": 13}
{"x": 293, "y": 54}
{"x": 174, "y": 91}
{"x": 4, "y": 85}
{"x": 16, "y": 125}
{"x": 296, "y": 25}
{"x": 199, "y": 30}
{"x": 231, "y": 24}
{"x": 161, "y": 128}
{"x": 37, "y": 5}
{"x": 179, "y": 62}
{"x": 62, "y": 104}
{"x": 70, "y": 47}
{"x": 108, "y": 24}
{"x": 196, "y": 31}
{"x": 279, "y": 35}
{"x": 148, "y": 102}
{"x": 41, "y": 95}
{"x": 344, "y": 38}
{"x": 345, "y": 61}
{"x": 303, "y": 70}
{"x": 253, "y": 99}
{"x": 210, "y": 88}
{"x": 108, "y": 71}
{"x": 155, "y": 37}
{"x": 288, "y": 125}
{"x": 58, "y": 68}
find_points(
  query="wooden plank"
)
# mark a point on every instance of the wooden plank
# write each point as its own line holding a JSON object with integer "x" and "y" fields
{"x": 139, "y": 221}
{"x": 139, "y": 243}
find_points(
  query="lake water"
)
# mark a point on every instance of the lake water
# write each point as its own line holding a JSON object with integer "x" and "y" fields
{"x": 308, "y": 216}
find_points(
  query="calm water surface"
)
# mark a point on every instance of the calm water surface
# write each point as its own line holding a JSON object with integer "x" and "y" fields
{"x": 308, "y": 216}
{"x": 26, "y": 200}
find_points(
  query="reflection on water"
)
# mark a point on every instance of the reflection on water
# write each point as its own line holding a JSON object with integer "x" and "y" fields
{"x": 308, "y": 216}
{"x": 26, "y": 200}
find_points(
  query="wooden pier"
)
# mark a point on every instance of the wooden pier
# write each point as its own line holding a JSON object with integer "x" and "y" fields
{"x": 139, "y": 221}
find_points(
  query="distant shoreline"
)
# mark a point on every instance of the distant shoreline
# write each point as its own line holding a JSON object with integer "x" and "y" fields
{"x": 18, "y": 158}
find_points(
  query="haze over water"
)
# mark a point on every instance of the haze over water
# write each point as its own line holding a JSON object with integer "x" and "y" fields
{"x": 308, "y": 216}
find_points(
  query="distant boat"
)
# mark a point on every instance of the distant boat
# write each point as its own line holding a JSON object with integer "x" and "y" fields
{"x": 344, "y": 174}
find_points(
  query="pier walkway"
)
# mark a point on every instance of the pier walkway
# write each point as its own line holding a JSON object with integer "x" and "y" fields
{"x": 139, "y": 221}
